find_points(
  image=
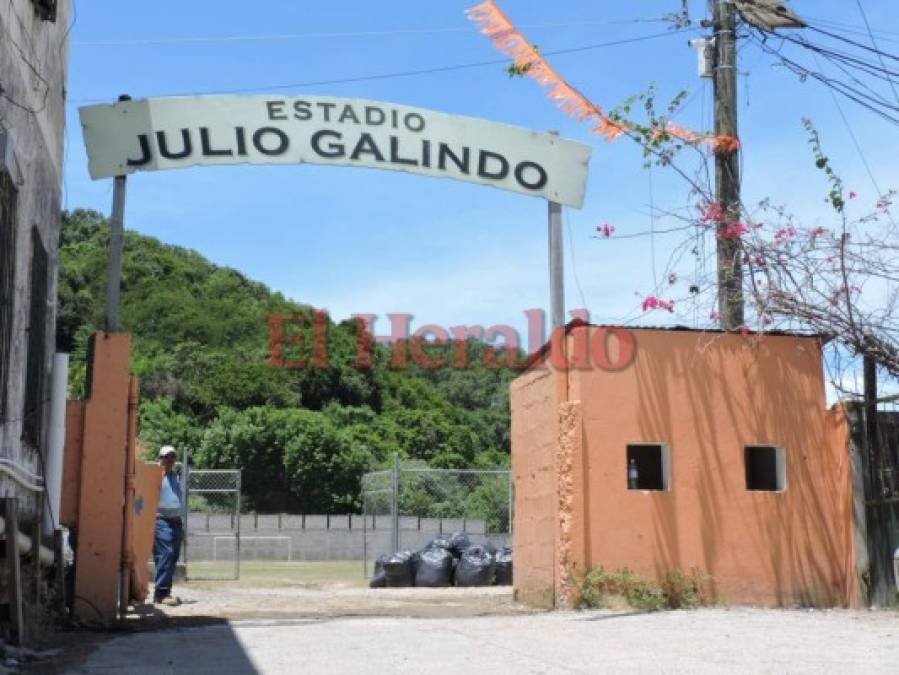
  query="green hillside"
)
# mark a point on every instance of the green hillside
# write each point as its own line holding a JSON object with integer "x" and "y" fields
{"x": 303, "y": 436}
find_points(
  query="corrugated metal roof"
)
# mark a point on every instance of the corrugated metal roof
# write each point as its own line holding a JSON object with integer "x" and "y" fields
{"x": 578, "y": 323}
{"x": 688, "y": 329}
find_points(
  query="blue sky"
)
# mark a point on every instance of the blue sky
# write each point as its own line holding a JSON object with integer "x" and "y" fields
{"x": 359, "y": 240}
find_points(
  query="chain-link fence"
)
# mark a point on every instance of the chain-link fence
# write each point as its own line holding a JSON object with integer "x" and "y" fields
{"x": 212, "y": 533}
{"x": 404, "y": 508}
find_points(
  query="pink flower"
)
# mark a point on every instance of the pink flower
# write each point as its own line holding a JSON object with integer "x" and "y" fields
{"x": 712, "y": 212}
{"x": 732, "y": 231}
{"x": 852, "y": 195}
{"x": 714, "y": 316}
{"x": 785, "y": 233}
{"x": 652, "y": 302}
{"x": 605, "y": 230}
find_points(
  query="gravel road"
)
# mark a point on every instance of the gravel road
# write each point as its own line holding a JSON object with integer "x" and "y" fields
{"x": 701, "y": 641}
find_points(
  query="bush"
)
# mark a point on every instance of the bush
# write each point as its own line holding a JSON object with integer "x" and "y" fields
{"x": 686, "y": 591}
{"x": 600, "y": 588}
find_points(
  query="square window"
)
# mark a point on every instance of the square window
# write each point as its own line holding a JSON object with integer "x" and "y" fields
{"x": 648, "y": 466}
{"x": 766, "y": 468}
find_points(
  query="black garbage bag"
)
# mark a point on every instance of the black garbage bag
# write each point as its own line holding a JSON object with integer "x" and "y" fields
{"x": 399, "y": 570}
{"x": 459, "y": 542}
{"x": 440, "y": 542}
{"x": 379, "y": 579}
{"x": 476, "y": 567}
{"x": 504, "y": 567}
{"x": 434, "y": 568}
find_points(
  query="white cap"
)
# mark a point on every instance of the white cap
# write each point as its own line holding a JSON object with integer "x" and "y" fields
{"x": 166, "y": 450}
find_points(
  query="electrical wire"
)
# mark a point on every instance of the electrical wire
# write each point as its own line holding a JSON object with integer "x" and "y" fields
{"x": 280, "y": 37}
{"x": 652, "y": 229}
{"x": 856, "y": 90}
{"x": 858, "y": 148}
{"x": 410, "y": 73}
{"x": 861, "y": 10}
{"x": 577, "y": 279}
{"x": 878, "y": 106}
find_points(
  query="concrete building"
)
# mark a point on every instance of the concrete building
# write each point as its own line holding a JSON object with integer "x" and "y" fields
{"x": 677, "y": 449}
{"x": 33, "y": 55}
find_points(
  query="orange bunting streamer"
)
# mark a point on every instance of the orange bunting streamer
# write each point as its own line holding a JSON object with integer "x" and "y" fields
{"x": 507, "y": 39}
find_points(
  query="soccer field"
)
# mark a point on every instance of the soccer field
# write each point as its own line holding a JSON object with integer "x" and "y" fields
{"x": 279, "y": 573}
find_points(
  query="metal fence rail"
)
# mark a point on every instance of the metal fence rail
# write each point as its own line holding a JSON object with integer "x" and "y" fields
{"x": 418, "y": 504}
{"x": 212, "y": 553}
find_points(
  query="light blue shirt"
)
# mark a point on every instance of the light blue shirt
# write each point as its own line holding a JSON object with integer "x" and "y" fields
{"x": 170, "y": 505}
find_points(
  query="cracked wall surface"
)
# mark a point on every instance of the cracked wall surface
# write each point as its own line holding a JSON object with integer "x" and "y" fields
{"x": 534, "y": 424}
{"x": 706, "y": 396}
{"x": 570, "y": 499}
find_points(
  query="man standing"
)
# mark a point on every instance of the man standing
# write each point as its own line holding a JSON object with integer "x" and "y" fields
{"x": 169, "y": 529}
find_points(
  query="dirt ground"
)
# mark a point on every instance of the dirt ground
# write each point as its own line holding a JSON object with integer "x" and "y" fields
{"x": 323, "y": 619}
{"x": 316, "y": 589}
{"x": 701, "y": 641}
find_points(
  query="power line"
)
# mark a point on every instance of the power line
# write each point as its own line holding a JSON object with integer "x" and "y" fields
{"x": 858, "y": 147}
{"x": 410, "y": 73}
{"x": 277, "y": 37}
{"x": 849, "y": 27}
{"x": 577, "y": 279}
{"x": 874, "y": 43}
{"x": 874, "y": 103}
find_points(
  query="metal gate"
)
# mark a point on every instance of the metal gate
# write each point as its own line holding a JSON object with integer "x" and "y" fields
{"x": 406, "y": 507}
{"x": 212, "y": 527}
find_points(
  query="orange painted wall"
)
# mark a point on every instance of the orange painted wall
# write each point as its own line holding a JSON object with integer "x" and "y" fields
{"x": 707, "y": 395}
{"x": 534, "y": 431}
{"x": 102, "y": 474}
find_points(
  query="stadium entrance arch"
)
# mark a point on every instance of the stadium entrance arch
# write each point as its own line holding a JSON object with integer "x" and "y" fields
{"x": 158, "y": 134}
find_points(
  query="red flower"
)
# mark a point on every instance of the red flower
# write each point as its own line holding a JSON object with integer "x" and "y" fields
{"x": 652, "y": 302}
{"x": 605, "y": 230}
{"x": 712, "y": 212}
{"x": 732, "y": 231}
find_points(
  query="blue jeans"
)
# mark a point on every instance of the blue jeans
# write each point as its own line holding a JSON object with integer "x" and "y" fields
{"x": 166, "y": 549}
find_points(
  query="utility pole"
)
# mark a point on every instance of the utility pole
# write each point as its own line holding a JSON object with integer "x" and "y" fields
{"x": 727, "y": 166}
{"x": 114, "y": 250}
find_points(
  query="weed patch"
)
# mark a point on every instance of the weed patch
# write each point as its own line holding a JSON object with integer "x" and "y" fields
{"x": 601, "y": 588}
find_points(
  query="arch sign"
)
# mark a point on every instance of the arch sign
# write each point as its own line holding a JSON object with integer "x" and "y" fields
{"x": 174, "y": 133}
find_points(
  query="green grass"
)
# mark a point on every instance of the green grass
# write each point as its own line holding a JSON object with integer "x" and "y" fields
{"x": 267, "y": 573}
{"x": 601, "y": 588}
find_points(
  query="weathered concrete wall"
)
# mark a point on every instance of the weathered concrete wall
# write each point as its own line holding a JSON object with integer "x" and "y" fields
{"x": 104, "y": 438}
{"x": 533, "y": 400}
{"x": 33, "y": 55}
{"x": 323, "y": 538}
{"x": 705, "y": 395}
{"x": 708, "y": 396}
